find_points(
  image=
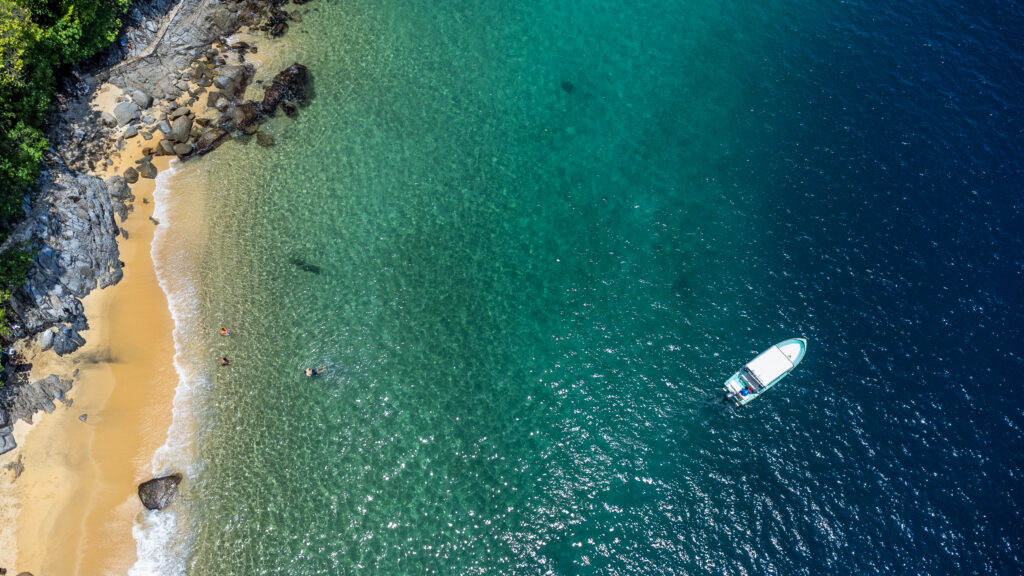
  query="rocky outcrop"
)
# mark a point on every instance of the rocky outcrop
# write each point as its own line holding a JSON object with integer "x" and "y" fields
{"x": 158, "y": 493}
{"x": 72, "y": 230}
{"x": 22, "y": 401}
{"x": 7, "y": 442}
{"x": 172, "y": 35}
{"x": 293, "y": 84}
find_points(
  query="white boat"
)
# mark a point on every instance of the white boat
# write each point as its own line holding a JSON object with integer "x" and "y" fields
{"x": 765, "y": 371}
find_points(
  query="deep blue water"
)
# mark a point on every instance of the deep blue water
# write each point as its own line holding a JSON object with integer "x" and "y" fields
{"x": 548, "y": 231}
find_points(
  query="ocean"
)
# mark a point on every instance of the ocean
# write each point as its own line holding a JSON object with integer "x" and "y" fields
{"x": 527, "y": 242}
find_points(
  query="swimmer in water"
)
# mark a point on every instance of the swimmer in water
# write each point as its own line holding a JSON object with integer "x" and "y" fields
{"x": 224, "y": 361}
{"x": 224, "y": 332}
{"x": 314, "y": 371}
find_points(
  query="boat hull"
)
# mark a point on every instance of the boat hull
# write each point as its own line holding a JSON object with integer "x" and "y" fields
{"x": 776, "y": 362}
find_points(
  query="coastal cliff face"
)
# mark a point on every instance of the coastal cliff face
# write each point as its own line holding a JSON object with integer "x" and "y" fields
{"x": 72, "y": 228}
{"x": 71, "y": 220}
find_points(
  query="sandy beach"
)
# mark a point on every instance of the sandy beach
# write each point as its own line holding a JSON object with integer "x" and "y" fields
{"x": 76, "y": 500}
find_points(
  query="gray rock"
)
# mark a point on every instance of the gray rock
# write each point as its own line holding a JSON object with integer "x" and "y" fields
{"x": 180, "y": 129}
{"x": 142, "y": 99}
{"x": 83, "y": 417}
{"x": 120, "y": 194}
{"x": 107, "y": 119}
{"x": 178, "y": 113}
{"x": 125, "y": 112}
{"x": 182, "y": 149}
{"x": 145, "y": 135}
{"x": 45, "y": 340}
{"x": 35, "y": 397}
{"x": 66, "y": 340}
{"x": 232, "y": 80}
{"x": 166, "y": 147}
{"x": 158, "y": 493}
{"x": 131, "y": 132}
{"x": 164, "y": 126}
{"x": 131, "y": 175}
{"x": 7, "y": 442}
{"x": 147, "y": 170}
{"x": 71, "y": 222}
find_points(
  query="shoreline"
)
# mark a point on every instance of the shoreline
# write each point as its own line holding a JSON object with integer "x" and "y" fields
{"x": 75, "y": 481}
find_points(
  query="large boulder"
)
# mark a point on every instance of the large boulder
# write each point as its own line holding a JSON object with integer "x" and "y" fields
{"x": 125, "y": 112}
{"x": 293, "y": 83}
{"x": 263, "y": 139}
{"x": 180, "y": 129}
{"x": 159, "y": 492}
{"x": 147, "y": 170}
{"x": 142, "y": 99}
{"x": 165, "y": 148}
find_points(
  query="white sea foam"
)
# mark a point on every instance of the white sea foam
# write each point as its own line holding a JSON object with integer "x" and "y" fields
{"x": 162, "y": 536}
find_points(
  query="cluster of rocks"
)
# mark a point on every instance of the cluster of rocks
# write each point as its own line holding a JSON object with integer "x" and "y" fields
{"x": 186, "y": 135}
{"x": 23, "y": 401}
{"x": 266, "y": 15}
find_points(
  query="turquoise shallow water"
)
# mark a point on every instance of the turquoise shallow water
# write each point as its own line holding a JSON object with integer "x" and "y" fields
{"x": 528, "y": 241}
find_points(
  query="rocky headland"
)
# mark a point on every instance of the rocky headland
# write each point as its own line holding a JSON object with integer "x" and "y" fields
{"x": 180, "y": 87}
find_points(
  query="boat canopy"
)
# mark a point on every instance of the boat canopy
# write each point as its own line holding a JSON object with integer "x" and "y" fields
{"x": 768, "y": 366}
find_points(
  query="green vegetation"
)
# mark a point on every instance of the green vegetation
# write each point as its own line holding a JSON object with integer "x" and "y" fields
{"x": 14, "y": 265}
{"x": 37, "y": 37}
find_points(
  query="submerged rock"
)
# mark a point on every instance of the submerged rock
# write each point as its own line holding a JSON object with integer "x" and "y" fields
{"x": 209, "y": 140}
{"x": 264, "y": 139}
{"x": 159, "y": 492}
{"x": 247, "y": 116}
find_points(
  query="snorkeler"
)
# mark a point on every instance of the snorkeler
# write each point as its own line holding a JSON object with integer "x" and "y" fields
{"x": 314, "y": 371}
{"x": 224, "y": 361}
{"x": 224, "y": 332}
